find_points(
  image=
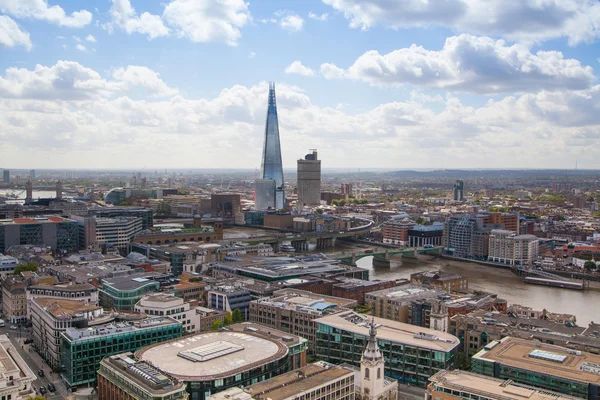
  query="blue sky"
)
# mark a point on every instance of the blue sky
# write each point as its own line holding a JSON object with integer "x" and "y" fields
{"x": 183, "y": 83}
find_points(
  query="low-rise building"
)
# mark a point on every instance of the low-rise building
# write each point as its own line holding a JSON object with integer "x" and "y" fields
{"x": 459, "y": 385}
{"x": 50, "y": 317}
{"x": 356, "y": 289}
{"x": 122, "y": 377}
{"x": 82, "y": 349}
{"x": 541, "y": 365}
{"x": 294, "y": 311}
{"x": 394, "y": 303}
{"x": 229, "y": 298}
{"x": 206, "y": 317}
{"x": 162, "y": 304}
{"x": 440, "y": 280}
{"x": 412, "y": 353}
{"x": 14, "y": 300}
{"x": 426, "y": 235}
{"x": 122, "y": 292}
{"x": 85, "y": 292}
{"x": 8, "y": 265}
{"x": 17, "y": 378}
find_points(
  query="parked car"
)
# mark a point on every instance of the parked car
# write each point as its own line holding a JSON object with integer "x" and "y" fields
{"x": 51, "y": 387}
{"x": 41, "y": 373}
{"x": 13, "y": 327}
{"x": 43, "y": 391}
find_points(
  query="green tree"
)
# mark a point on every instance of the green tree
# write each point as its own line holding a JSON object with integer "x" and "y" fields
{"x": 364, "y": 201}
{"x": 228, "y": 319}
{"x": 25, "y": 267}
{"x": 462, "y": 360}
{"x": 590, "y": 266}
{"x": 420, "y": 221}
{"x": 237, "y": 316}
{"x": 335, "y": 203}
{"x": 319, "y": 211}
{"x": 216, "y": 325}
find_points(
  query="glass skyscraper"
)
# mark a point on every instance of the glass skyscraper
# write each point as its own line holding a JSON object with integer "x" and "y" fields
{"x": 271, "y": 167}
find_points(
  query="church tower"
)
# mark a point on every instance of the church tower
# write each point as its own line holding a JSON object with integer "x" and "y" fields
{"x": 438, "y": 318}
{"x": 372, "y": 368}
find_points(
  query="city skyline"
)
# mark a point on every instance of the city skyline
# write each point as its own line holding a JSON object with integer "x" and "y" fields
{"x": 123, "y": 84}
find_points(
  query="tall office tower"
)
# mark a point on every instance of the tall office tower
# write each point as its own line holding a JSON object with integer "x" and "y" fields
{"x": 6, "y": 176}
{"x": 459, "y": 190}
{"x": 271, "y": 168}
{"x": 29, "y": 192}
{"x": 59, "y": 190}
{"x": 309, "y": 180}
{"x": 32, "y": 174}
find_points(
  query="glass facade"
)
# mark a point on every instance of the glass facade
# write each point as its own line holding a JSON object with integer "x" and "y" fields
{"x": 81, "y": 358}
{"x": 111, "y": 297}
{"x": 271, "y": 166}
{"x": 67, "y": 237}
{"x": 404, "y": 362}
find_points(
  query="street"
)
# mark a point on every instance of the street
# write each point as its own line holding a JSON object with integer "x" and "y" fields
{"x": 35, "y": 362}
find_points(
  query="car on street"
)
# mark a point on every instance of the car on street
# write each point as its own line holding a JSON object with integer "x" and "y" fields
{"x": 43, "y": 391}
{"x": 51, "y": 387}
{"x": 13, "y": 327}
{"x": 41, "y": 373}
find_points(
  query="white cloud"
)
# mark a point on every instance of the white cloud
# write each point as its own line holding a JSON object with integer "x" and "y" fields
{"x": 81, "y": 47}
{"x": 251, "y": 54}
{"x": 290, "y": 21}
{"x": 140, "y": 76}
{"x": 39, "y": 9}
{"x": 208, "y": 21}
{"x": 72, "y": 107}
{"x": 317, "y": 17}
{"x": 77, "y": 39}
{"x": 297, "y": 68}
{"x": 125, "y": 17}
{"x": 471, "y": 64}
{"x": 577, "y": 20}
{"x": 90, "y": 38}
{"x": 12, "y": 35}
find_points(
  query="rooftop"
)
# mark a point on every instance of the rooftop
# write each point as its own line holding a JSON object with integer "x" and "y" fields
{"x": 297, "y": 381}
{"x": 69, "y": 286}
{"x": 75, "y": 334}
{"x": 394, "y": 331}
{"x": 188, "y": 358}
{"x": 352, "y": 283}
{"x": 60, "y": 308}
{"x": 300, "y": 300}
{"x": 37, "y": 220}
{"x": 405, "y": 293}
{"x": 131, "y": 281}
{"x": 436, "y": 275}
{"x": 543, "y": 358}
{"x": 490, "y": 388}
{"x": 266, "y": 331}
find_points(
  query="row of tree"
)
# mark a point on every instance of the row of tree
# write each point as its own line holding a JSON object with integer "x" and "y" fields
{"x": 231, "y": 318}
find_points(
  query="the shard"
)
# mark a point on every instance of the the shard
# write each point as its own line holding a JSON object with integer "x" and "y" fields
{"x": 269, "y": 190}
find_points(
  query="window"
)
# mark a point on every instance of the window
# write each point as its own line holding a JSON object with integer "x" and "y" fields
{"x": 378, "y": 373}
{"x": 366, "y": 373}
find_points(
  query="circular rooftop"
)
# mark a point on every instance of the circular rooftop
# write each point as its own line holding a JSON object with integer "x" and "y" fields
{"x": 214, "y": 355}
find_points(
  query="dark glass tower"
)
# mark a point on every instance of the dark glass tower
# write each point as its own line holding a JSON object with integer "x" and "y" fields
{"x": 271, "y": 167}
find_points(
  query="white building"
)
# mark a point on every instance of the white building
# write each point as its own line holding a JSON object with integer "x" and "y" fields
{"x": 85, "y": 292}
{"x": 509, "y": 248}
{"x": 16, "y": 377}
{"x": 7, "y": 265}
{"x": 162, "y": 304}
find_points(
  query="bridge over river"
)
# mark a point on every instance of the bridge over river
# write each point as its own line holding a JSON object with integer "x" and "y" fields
{"x": 381, "y": 257}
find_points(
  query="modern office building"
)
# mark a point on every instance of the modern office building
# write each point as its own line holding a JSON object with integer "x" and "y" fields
{"x": 16, "y": 380}
{"x": 509, "y": 248}
{"x": 7, "y": 265}
{"x": 468, "y": 235}
{"x": 271, "y": 165}
{"x": 423, "y": 235}
{"x": 85, "y": 292}
{"x": 115, "y": 212}
{"x": 458, "y": 191}
{"x": 545, "y": 366}
{"x": 215, "y": 361}
{"x": 460, "y": 385}
{"x": 82, "y": 349}
{"x": 124, "y": 291}
{"x": 394, "y": 303}
{"x": 6, "y": 176}
{"x": 117, "y": 231}
{"x": 412, "y": 354}
{"x": 122, "y": 377}
{"x": 309, "y": 181}
{"x": 229, "y": 298}
{"x": 167, "y": 305}
{"x": 225, "y": 205}
{"x": 59, "y": 233}
{"x": 50, "y": 317}
{"x": 294, "y": 311}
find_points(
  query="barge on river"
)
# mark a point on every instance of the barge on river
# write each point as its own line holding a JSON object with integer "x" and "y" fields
{"x": 554, "y": 283}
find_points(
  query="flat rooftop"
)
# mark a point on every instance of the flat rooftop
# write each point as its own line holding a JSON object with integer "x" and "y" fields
{"x": 75, "y": 334}
{"x": 51, "y": 219}
{"x": 300, "y": 380}
{"x": 393, "y": 331}
{"x": 543, "y": 358}
{"x": 62, "y": 308}
{"x": 405, "y": 292}
{"x": 491, "y": 388}
{"x": 213, "y": 355}
{"x": 266, "y": 331}
{"x": 131, "y": 281}
{"x": 352, "y": 283}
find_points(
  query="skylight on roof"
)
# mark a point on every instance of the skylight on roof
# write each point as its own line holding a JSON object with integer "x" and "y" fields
{"x": 547, "y": 356}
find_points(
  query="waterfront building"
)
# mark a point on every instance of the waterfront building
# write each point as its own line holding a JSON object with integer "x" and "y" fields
{"x": 50, "y": 317}
{"x": 124, "y": 291}
{"x": 309, "y": 181}
{"x": 445, "y": 281}
{"x": 424, "y": 235}
{"x": 122, "y": 377}
{"x": 507, "y": 247}
{"x": 7, "y": 266}
{"x": 294, "y": 311}
{"x": 238, "y": 250}
{"x": 541, "y": 365}
{"x": 82, "y": 349}
{"x": 85, "y": 292}
{"x": 269, "y": 188}
{"x": 167, "y": 305}
{"x": 16, "y": 380}
{"x": 215, "y": 361}
{"x": 458, "y": 191}
{"x": 59, "y": 233}
{"x": 467, "y": 236}
{"x": 14, "y": 300}
{"x": 357, "y": 289}
{"x": 412, "y": 354}
{"x": 460, "y": 385}
{"x": 396, "y": 231}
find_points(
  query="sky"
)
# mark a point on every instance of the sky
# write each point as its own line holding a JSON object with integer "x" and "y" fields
{"x": 369, "y": 83}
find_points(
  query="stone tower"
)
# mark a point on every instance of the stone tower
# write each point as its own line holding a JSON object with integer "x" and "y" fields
{"x": 372, "y": 368}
